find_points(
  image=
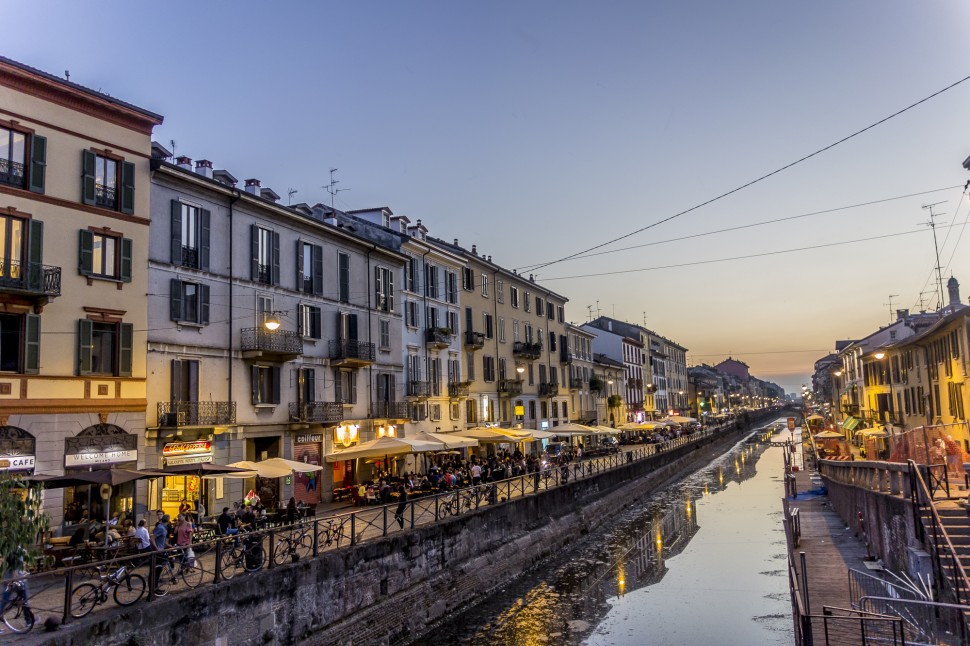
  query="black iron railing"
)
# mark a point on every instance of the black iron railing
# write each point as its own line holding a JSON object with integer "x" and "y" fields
{"x": 389, "y": 410}
{"x": 549, "y": 389}
{"x": 264, "y": 274}
{"x": 527, "y": 350}
{"x": 30, "y": 277}
{"x": 316, "y": 411}
{"x": 272, "y": 341}
{"x": 565, "y": 356}
{"x": 510, "y": 387}
{"x": 12, "y": 173}
{"x": 175, "y": 414}
{"x": 458, "y": 388}
{"x": 419, "y": 388}
{"x": 190, "y": 257}
{"x": 576, "y": 383}
{"x": 440, "y": 336}
{"x": 105, "y": 196}
{"x": 342, "y": 349}
{"x": 474, "y": 340}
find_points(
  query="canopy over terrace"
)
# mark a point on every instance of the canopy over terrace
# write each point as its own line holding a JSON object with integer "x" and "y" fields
{"x": 385, "y": 446}
{"x": 449, "y": 440}
{"x": 572, "y": 429}
{"x": 679, "y": 419}
{"x": 488, "y": 434}
{"x": 607, "y": 430}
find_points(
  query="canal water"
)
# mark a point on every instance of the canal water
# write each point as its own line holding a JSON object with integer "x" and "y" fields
{"x": 701, "y": 562}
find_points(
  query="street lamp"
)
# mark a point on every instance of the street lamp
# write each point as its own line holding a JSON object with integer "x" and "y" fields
{"x": 272, "y": 321}
{"x": 880, "y": 355}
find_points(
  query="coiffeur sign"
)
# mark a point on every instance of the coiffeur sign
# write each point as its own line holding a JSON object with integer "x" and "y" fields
{"x": 187, "y": 452}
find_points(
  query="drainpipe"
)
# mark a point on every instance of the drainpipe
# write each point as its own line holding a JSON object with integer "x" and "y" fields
{"x": 370, "y": 369}
{"x": 233, "y": 200}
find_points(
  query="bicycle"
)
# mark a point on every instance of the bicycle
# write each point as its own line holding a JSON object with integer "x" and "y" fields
{"x": 248, "y": 557}
{"x": 168, "y": 573}
{"x": 458, "y": 502}
{"x": 298, "y": 544}
{"x": 128, "y": 588}
{"x": 334, "y": 533}
{"x": 17, "y": 614}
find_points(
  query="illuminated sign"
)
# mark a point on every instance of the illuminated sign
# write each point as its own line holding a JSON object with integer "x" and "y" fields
{"x": 182, "y": 448}
{"x": 309, "y": 439}
{"x": 16, "y": 462}
{"x": 100, "y": 457}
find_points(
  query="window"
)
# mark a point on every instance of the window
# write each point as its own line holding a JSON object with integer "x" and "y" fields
{"x": 20, "y": 343}
{"x": 385, "y": 334}
{"x": 560, "y": 314}
{"x": 16, "y": 169}
{"x": 190, "y": 235}
{"x": 306, "y": 385}
{"x": 544, "y": 409}
{"x": 108, "y": 182}
{"x": 501, "y": 329}
{"x": 503, "y": 371}
{"x": 484, "y": 284}
{"x": 434, "y": 376}
{"x": 453, "y": 322}
{"x": 489, "y": 331}
{"x": 265, "y": 258}
{"x": 21, "y": 248}
{"x": 411, "y": 274}
{"x": 514, "y": 296}
{"x": 467, "y": 279}
{"x": 550, "y": 313}
{"x": 310, "y": 321}
{"x": 104, "y": 348}
{"x": 552, "y": 341}
{"x": 455, "y": 410}
{"x": 343, "y": 274}
{"x": 431, "y": 317}
{"x": 515, "y": 331}
{"x": 471, "y": 411}
{"x": 500, "y": 291}
{"x": 532, "y": 374}
{"x": 539, "y": 304}
{"x": 488, "y": 368}
{"x": 435, "y": 412}
{"x": 309, "y": 268}
{"x": 454, "y": 371}
{"x": 555, "y": 409}
{"x": 185, "y": 382}
{"x": 383, "y": 289}
{"x": 104, "y": 255}
{"x": 452, "y": 287}
{"x": 470, "y": 365}
{"x": 266, "y": 385}
{"x": 431, "y": 281}
{"x": 411, "y": 314}
{"x": 189, "y": 302}
{"x": 526, "y": 302}
{"x": 565, "y": 410}
{"x": 345, "y": 386}
{"x": 532, "y": 410}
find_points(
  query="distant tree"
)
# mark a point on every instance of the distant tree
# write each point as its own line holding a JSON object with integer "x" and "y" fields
{"x": 22, "y": 523}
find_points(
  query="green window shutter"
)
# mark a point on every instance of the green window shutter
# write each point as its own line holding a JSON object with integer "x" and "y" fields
{"x": 32, "y": 345}
{"x": 89, "y": 162}
{"x": 255, "y": 376}
{"x": 299, "y": 265}
{"x": 254, "y": 255}
{"x": 126, "y": 260}
{"x": 127, "y": 187}
{"x": 176, "y": 232}
{"x": 176, "y": 380}
{"x": 353, "y": 386}
{"x": 84, "y": 329}
{"x": 275, "y": 276}
{"x": 299, "y": 320}
{"x": 85, "y": 259}
{"x": 204, "y": 217}
{"x": 317, "y": 269}
{"x": 351, "y": 327}
{"x": 378, "y": 302}
{"x": 204, "y": 304}
{"x": 127, "y": 339}
{"x": 38, "y": 163}
{"x": 35, "y": 255}
{"x": 389, "y": 288}
{"x": 338, "y": 387}
{"x": 176, "y": 299}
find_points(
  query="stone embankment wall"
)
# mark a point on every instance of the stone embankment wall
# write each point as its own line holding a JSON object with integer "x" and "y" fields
{"x": 386, "y": 590}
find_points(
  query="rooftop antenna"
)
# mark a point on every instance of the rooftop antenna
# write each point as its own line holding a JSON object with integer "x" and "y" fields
{"x": 936, "y": 247}
{"x": 171, "y": 142}
{"x": 598, "y": 310}
{"x": 922, "y": 300}
{"x": 890, "y": 304}
{"x": 290, "y": 192}
{"x": 332, "y": 187}
{"x": 590, "y": 308}
{"x": 644, "y": 319}
{"x": 67, "y": 74}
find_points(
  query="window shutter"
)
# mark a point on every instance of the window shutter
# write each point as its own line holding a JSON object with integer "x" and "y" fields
{"x": 176, "y": 380}
{"x": 38, "y": 163}
{"x": 343, "y": 268}
{"x": 84, "y": 329}
{"x": 176, "y": 299}
{"x": 381, "y": 388}
{"x": 300, "y": 314}
{"x": 204, "y": 218}
{"x": 351, "y": 327}
{"x": 353, "y": 386}
{"x": 389, "y": 289}
{"x": 391, "y": 388}
{"x": 127, "y": 187}
{"x": 317, "y": 270}
{"x": 337, "y": 387}
{"x": 32, "y": 345}
{"x": 299, "y": 265}
{"x": 127, "y": 341}
{"x": 255, "y": 383}
{"x": 204, "y": 304}
{"x": 89, "y": 162}
{"x": 126, "y": 260}
{"x": 276, "y": 384}
{"x": 378, "y": 302}
{"x": 254, "y": 256}
{"x": 310, "y": 384}
{"x": 176, "y": 232}
{"x": 316, "y": 332}
{"x": 35, "y": 254}
{"x": 276, "y": 258}
{"x": 85, "y": 261}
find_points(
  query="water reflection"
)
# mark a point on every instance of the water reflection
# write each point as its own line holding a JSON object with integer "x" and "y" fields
{"x": 563, "y": 601}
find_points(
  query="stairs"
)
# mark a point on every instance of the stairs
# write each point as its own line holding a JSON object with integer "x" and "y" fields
{"x": 956, "y": 523}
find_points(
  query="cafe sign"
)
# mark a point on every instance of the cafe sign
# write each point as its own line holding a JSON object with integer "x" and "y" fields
{"x": 17, "y": 449}
{"x": 100, "y": 457}
{"x": 17, "y": 463}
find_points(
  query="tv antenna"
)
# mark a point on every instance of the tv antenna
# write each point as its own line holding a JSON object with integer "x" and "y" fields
{"x": 890, "y": 304}
{"x": 936, "y": 247}
{"x": 332, "y": 187}
{"x": 171, "y": 142}
{"x": 922, "y": 300}
{"x": 290, "y": 192}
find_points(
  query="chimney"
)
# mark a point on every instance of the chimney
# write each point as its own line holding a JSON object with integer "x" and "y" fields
{"x": 184, "y": 163}
{"x": 902, "y": 315}
{"x": 225, "y": 177}
{"x": 490, "y": 259}
{"x": 953, "y": 288}
{"x": 252, "y": 186}
{"x": 204, "y": 167}
{"x": 456, "y": 242}
{"x": 474, "y": 250}
{"x": 532, "y": 278}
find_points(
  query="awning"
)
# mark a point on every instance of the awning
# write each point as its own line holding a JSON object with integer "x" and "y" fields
{"x": 850, "y": 423}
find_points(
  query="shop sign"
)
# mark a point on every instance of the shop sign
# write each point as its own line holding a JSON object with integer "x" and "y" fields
{"x": 100, "y": 444}
{"x": 16, "y": 462}
{"x": 791, "y": 423}
{"x": 100, "y": 457}
{"x": 182, "y": 448}
{"x": 188, "y": 459}
{"x": 309, "y": 439}
{"x": 17, "y": 449}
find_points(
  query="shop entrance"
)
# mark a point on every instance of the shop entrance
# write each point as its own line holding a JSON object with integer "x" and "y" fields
{"x": 268, "y": 489}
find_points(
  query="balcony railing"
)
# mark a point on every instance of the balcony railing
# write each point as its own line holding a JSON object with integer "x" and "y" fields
{"x": 29, "y": 278}
{"x": 349, "y": 351}
{"x": 316, "y": 411}
{"x": 458, "y": 389}
{"x": 190, "y": 257}
{"x": 527, "y": 350}
{"x": 264, "y": 274}
{"x": 474, "y": 340}
{"x": 510, "y": 387}
{"x": 565, "y": 356}
{"x": 389, "y": 410}
{"x": 549, "y": 389}
{"x": 105, "y": 196}
{"x": 420, "y": 389}
{"x": 175, "y": 414}
{"x": 12, "y": 173}
{"x": 439, "y": 337}
{"x": 576, "y": 383}
{"x": 271, "y": 342}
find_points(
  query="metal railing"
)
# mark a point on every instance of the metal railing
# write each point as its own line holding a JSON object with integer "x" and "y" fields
{"x": 438, "y": 336}
{"x": 316, "y": 411}
{"x": 272, "y": 341}
{"x": 105, "y": 196}
{"x": 204, "y": 413}
{"x": 924, "y": 622}
{"x": 474, "y": 340}
{"x": 509, "y": 387}
{"x": 891, "y": 478}
{"x": 458, "y": 388}
{"x": 30, "y": 277}
{"x": 12, "y": 173}
{"x": 419, "y": 389}
{"x": 527, "y": 350}
{"x": 389, "y": 410}
{"x": 576, "y": 383}
{"x": 548, "y": 389}
{"x": 343, "y": 349}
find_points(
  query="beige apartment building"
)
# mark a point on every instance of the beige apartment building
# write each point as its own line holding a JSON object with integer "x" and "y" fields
{"x": 74, "y": 221}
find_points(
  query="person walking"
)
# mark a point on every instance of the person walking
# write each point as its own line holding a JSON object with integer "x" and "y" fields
{"x": 402, "y": 504}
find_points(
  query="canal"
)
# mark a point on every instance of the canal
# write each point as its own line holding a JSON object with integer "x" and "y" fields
{"x": 701, "y": 562}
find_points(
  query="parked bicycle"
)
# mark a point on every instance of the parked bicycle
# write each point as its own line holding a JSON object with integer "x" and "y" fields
{"x": 172, "y": 568}
{"x": 248, "y": 556}
{"x": 297, "y": 544}
{"x": 17, "y": 614}
{"x": 127, "y": 588}
{"x": 333, "y": 533}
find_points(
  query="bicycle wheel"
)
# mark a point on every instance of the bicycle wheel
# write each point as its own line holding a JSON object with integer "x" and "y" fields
{"x": 165, "y": 580}
{"x": 18, "y": 617}
{"x": 83, "y": 599}
{"x": 281, "y": 551}
{"x": 191, "y": 573}
{"x": 231, "y": 562}
{"x": 253, "y": 556}
{"x": 129, "y": 590}
{"x": 304, "y": 546}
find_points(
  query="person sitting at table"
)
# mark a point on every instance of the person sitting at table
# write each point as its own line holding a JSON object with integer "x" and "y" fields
{"x": 247, "y": 519}
{"x": 291, "y": 511}
{"x": 184, "y": 506}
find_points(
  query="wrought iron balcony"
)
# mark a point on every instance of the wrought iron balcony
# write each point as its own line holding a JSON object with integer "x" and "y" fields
{"x": 474, "y": 340}
{"x": 438, "y": 337}
{"x": 566, "y": 356}
{"x": 29, "y": 278}
{"x": 419, "y": 389}
{"x": 316, "y": 412}
{"x": 348, "y": 352}
{"x": 264, "y": 274}
{"x": 12, "y": 174}
{"x": 548, "y": 389}
{"x": 105, "y": 196}
{"x": 389, "y": 410}
{"x": 258, "y": 342}
{"x": 576, "y": 383}
{"x": 527, "y": 350}
{"x": 458, "y": 389}
{"x": 176, "y": 414}
{"x": 510, "y": 387}
{"x": 190, "y": 257}
{"x": 596, "y": 384}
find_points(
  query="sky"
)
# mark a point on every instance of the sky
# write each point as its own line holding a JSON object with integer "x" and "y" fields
{"x": 539, "y": 129}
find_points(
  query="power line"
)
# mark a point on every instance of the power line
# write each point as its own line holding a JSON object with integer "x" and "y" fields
{"x": 759, "y": 179}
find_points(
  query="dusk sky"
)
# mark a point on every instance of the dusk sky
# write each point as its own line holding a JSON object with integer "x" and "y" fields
{"x": 536, "y": 130}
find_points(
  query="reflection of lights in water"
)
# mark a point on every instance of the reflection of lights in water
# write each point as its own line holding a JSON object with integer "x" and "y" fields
{"x": 737, "y": 467}
{"x": 621, "y": 578}
{"x": 660, "y": 542}
{"x": 707, "y": 491}
{"x": 689, "y": 509}
{"x": 720, "y": 476}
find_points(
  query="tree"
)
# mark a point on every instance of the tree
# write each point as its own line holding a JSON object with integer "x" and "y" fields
{"x": 22, "y": 523}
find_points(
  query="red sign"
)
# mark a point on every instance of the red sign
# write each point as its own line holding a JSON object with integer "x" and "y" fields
{"x": 791, "y": 423}
{"x": 181, "y": 448}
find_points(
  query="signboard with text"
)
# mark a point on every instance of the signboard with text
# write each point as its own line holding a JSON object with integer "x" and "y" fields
{"x": 99, "y": 457}
{"x": 791, "y": 423}
{"x": 16, "y": 462}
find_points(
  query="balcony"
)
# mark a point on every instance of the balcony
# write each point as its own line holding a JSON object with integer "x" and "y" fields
{"x": 596, "y": 384}
{"x": 389, "y": 410}
{"x": 474, "y": 340}
{"x": 322, "y": 412}
{"x": 30, "y": 279}
{"x": 279, "y": 345}
{"x": 105, "y": 196}
{"x": 510, "y": 387}
{"x": 351, "y": 353}
{"x": 548, "y": 389}
{"x": 178, "y": 414}
{"x": 419, "y": 389}
{"x": 457, "y": 389}
{"x": 12, "y": 173}
{"x": 438, "y": 337}
{"x": 527, "y": 350}
{"x": 565, "y": 356}
{"x": 576, "y": 383}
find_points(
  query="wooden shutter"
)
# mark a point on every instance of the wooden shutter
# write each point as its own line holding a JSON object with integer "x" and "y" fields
{"x": 338, "y": 387}
{"x": 352, "y": 378}
{"x": 32, "y": 344}
{"x": 176, "y": 232}
{"x": 255, "y": 384}
{"x": 343, "y": 268}
{"x": 389, "y": 289}
{"x": 204, "y": 304}
{"x": 254, "y": 255}
{"x": 391, "y": 388}
{"x": 381, "y": 388}
{"x": 85, "y": 258}
{"x": 125, "y": 260}
{"x": 176, "y": 380}
{"x": 204, "y": 224}
{"x": 35, "y": 254}
{"x": 315, "y": 324}
{"x": 299, "y": 266}
{"x": 275, "y": 395}
{"x": 127, "y": 187}
{"x": 351, "y": 327}
{"x": 125, "y": 346}
{"x": 378, "y": 292}
{"x": 275, "y": 260}
{"x": 176, "y": 299}
{"x": 84, "y": 333}
{"x": 89, "y": 162}
{"x": 317, "y": 269}
{"x": 38, "y": 163}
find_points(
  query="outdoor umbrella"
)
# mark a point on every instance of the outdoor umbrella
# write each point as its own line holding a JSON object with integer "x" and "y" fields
{"x": 292, "y": 465}
{"x": 632, "y": 426}
{"x": 541, "y": 435}
{"x": 607, "y": 430}
{"x": 383, "y": 447}
{"x": 829, "y": 435}
{"x": 207, "y": 469}
{"x": 494, "y": 435}
{"x": 449, "y": 440}
{"x": 680, "y": 419}
{"x": 571, "y": 428}
{"x": 814, "y": 417}
{"x": 261, "y": 469}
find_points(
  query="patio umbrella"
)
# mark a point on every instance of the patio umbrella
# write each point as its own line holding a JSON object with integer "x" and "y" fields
{"x": 632, "y": 426}
{"x": 112, "y": 476}
{"x": 829, "y": 435}
{"x": 207, "y": 469}
{"x": 383, "y": 447}
{"x": 494, "y": 435}
{"x": 292, "y": 465}
{"x": 680, "y": 419}
{"x": 261, "y": 469}
{"x": 541, "y": 435}
{"x": 607, "y": 430}
{"x": 571, "y": 428}
{"x": 449, "y": 440}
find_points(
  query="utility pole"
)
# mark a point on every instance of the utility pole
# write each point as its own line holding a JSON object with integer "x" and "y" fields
{"x": 936, "y": 248}
{"x": 890, "y": 304}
